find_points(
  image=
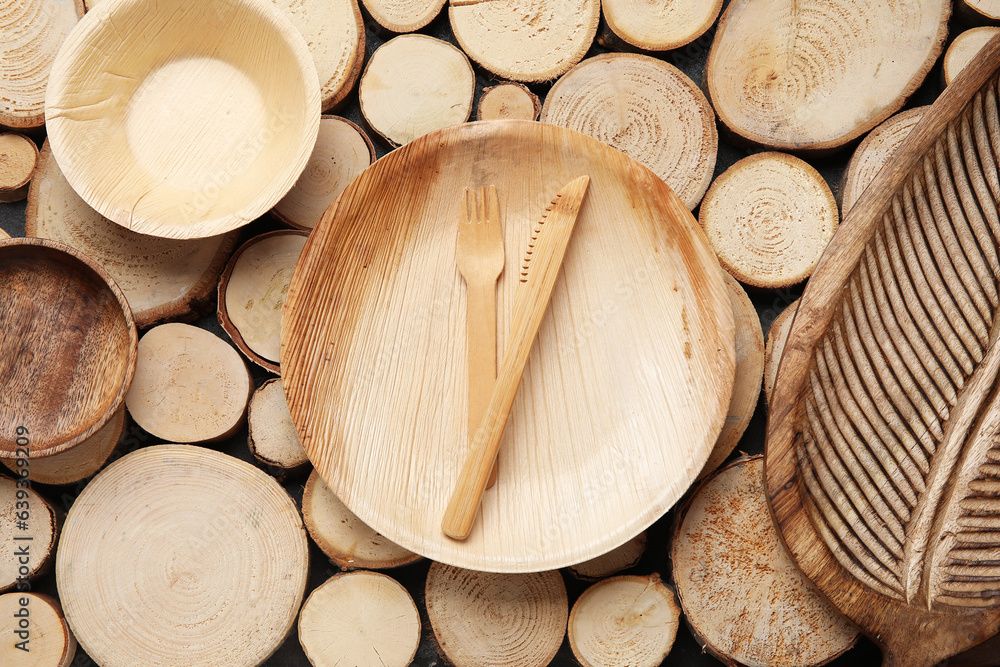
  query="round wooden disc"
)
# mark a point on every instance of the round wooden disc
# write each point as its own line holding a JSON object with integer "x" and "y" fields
{"x": 271, "y": 433}
{"x": 964, "y": 48}
{"x": 47, "y": 641}
{"x": 777, "y": 335}
{"x": 660, "y": 26}
{"x": 33, "y": 524}
{"x": 18, "y": 157}
{"x": 622, "y": 397}
{"x": 482, "y": 619}
{"x": 613, "y": 562}
{"x": 508, "y": 101}
{"x": 180, "y": 555}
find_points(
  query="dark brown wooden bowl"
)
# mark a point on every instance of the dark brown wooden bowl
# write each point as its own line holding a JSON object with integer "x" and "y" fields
{"x": 67, "y": 347}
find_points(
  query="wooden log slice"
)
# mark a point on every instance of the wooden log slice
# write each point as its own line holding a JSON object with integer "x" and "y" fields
{"x": 659, "y": 26}
{"x": 743, "y": 597}
{"x": 30, "y": 528}
{"x": 414, "y": 84}
{"x": 34, "y": 631}
{"x": 181, "y": 555}
{"x": 398, "y": 16}
{"x": 963, "y": 49}
{"x": 31, "y": 32}
{"x": 163, "y": 279}
{"x": 873, "y": 153}
{"x": 647, "y": 109}
{"x": 252, "y": 290}
{"x": 749, "y": 371}
{"x": 812, "y": 75}
{"x": 506, "y": 101}
{"x": 189, "y": 385}
{"x": 271, "y": 433}
{"x": 613, "y": 562}
{"x": 482, "y": 619}
{"x": 777, "y": 335}
{"x": 362, "y": 619}
{"x": 18, "y": 157}
{"x": 769, "y": 217}
{"x": 4, "y": 235}
{"x": 525, "y": 40}
{"x": 81, "y": 461}
{"x": 345, "y": 539}
{"x": 342, "y": 152}
{"x": 979, "y": 11}
{"x": 627, "y": 621}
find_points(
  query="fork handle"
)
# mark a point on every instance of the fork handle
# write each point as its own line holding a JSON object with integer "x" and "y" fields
{"x": 481, "y": 327}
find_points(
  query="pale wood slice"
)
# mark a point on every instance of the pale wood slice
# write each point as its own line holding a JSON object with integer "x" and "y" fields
{"x": 627, "y": 621}
{"x": 18, "y": 157}
{"x": 35, "y": 632}
{"x": 963, "y": 49}
{"x": 414, "y": 84}
{"x": 163, "y": 279}
{"x": 272, "y": 437}
{"x": 980, "y": 10}
{"x": 873, "y": 153}
{"x": 81, "y": 461}
{"x": 342, "y": 152}
{"x": 510, "y": 100}
{"x": 362, "y": 619}
{"x": 28, "y": 522}
{"x": 346, "y": 540}
{"x": 524, "y": 40}
{"x": 749, "y": 371}
{"x": 647, "y": 109}
{"x": 32, "y": 32}
{"x": 399, "y": 16}
{"x": 613, "y": 562}
{"x": 815, "y": 74}
{"x": 662, "y": 25}
{"x": 742, "y": 595}
{"x": 177, "y": 555}
{"x": 252, "y": 290}
{"x": 775, "y": 345}
{"x": 482, "y": 619}
{"x": 189, "y": 385}
{"x": 4, "y": 235}
{"x": 769, "y": 217}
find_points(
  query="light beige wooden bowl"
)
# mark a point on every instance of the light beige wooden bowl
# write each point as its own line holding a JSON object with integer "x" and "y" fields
{"x": 183, "y": 118}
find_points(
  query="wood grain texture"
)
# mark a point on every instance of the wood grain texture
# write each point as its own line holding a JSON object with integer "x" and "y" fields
{"x": 162, "y": 279}
{"x": 981, "y": 10}
{"x": 208, "y": 537}
{"x": 647, "y": 109}
{"x": 777, "y": 336}
{"x": 67, "y": 349}
{"x": 881, "y": 442}
{"x": 400, "y": 16}
{"x": 777, "y": 66}
{"x": 18, "y": 157}
{"x": 618, "y": 559}
{"x": 963, "y": 49}
{"x": 659, "y": 26}
{"x": 627, "y": 385}
{"x": 271, "y": 433}
{"x": 32, "y": 31}
{"x": 508, "y": 101}
{"x": 38, "y": 526}
{"x": 49, "y": 642}
{"x": 163, "y": 119}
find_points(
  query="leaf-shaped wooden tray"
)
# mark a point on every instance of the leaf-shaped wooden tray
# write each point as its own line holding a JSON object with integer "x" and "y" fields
{"x": 883, "y": 457}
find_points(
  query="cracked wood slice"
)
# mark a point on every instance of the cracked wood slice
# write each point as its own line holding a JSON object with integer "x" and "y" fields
{"x": 362, "y": 619}
{"x": 613, "y": 562}
{"x": 163, "y": 279}
{"x": 346, "y": 540}
{"x": 963, "y": 49}
{"x": 271, "y": 434}
{"x": 769, "y": 217}
{"x": 812, "y": 75}
{"x": 743, "y": 597}
{"x": 46, "y": 640}
{"x": 18, "y": 157}
{"x": 81, "y": 461}
{"x": 398, "y": 16}
{"x": 509, "y": 100}
{"x": 647, "y": 109}
{"x": 872, "y": 154}
{"x": 483, "y": 619}
{"x": 749, "y": 371}
{"x": 881, "y": 446}
{"x": 32, "y": 32}
{"x": 176, "y": 555}
{"x": 189, "y": 385}
{"x": 252, "y": 290}
{"x": 627, "y": 621}
{"x": 525, "y": 40}
{"x": 29, "y": 523}
{"x": 775, "y": 344}
{"x": 659, "y": 26}
{"x": 415, "y": 84}
{"x": 342, "y": 152}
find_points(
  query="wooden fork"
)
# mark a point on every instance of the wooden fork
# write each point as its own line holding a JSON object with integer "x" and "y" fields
{"x": 479, "y": 256}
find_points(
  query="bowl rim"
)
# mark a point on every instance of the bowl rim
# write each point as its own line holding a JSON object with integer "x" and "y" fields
{"x": 132, "y": 353}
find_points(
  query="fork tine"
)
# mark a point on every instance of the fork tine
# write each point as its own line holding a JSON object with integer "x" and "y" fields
{"x": 482, "y": 206}
{"x": 467, "y": 208}
{"x": 493, "y": 214}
